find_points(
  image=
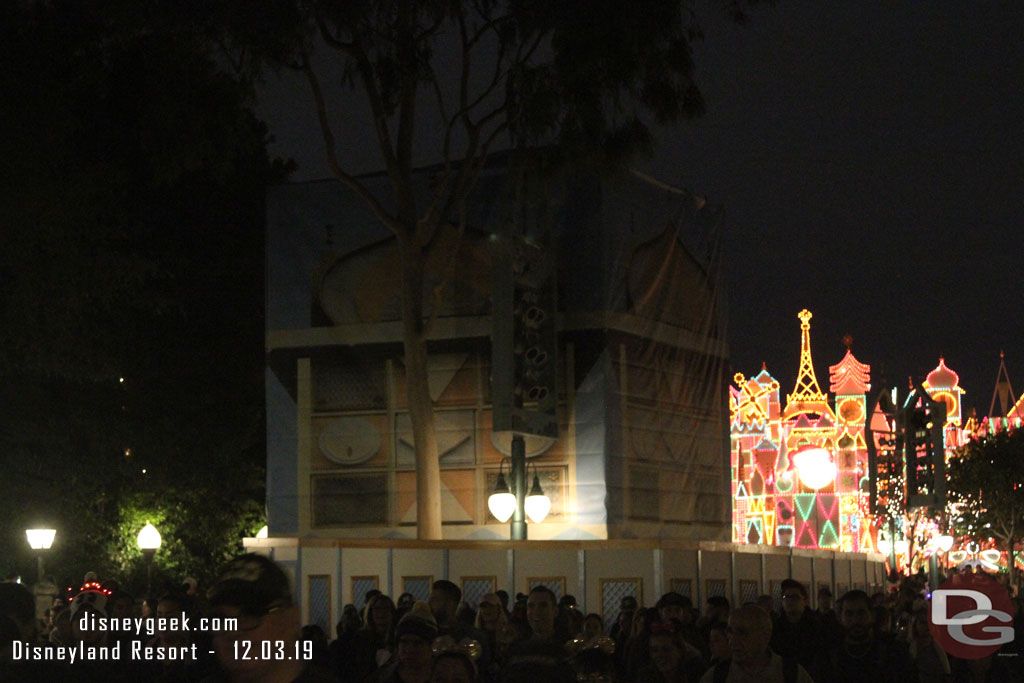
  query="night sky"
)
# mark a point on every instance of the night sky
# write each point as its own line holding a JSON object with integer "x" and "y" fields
{"x": 870, "y": 158}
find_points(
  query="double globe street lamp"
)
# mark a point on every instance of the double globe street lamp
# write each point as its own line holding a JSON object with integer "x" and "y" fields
{"x": 515, "y": 502}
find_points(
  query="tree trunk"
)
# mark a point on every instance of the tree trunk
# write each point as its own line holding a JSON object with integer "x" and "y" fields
{"x": 421, "y": 407}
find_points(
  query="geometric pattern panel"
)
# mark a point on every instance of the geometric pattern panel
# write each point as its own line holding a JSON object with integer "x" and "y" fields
{"x": 748, "y": 591}
{"x": 361, "y": 585}
{"x": 476, "y": 587}
{"x": 716, "y": 587}
{"x": 320, "y": 602}
{"x": 612, "y": 592}
{"x": 418, "y": 586}
{"x": 682, "y": 586}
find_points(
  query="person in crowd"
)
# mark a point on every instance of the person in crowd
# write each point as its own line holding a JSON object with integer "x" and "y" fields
{"x": 498, "y": 633}
{"x": 503, "y": 597}
{"x": 541, "y": 655}
{"x": 752, "y": 660}
{"x": 254, "y": 590}
{"x": 60, "y": 633}
{"x": 18, "y": 604}
{"x": 825, "y": 606}
{"x": 374, "y": 643}
{"x": 765, "y": 602}
{"x": 716, "y": 611}
{"x": 444, "y": 601}
{"x": 637, "y": 655}
{"x": 718, "y": 644}
{"x": 453, "y": 666}
{"x": 593, "y": 626}
{"x": 405, "y": 601}
{"x": 797, "y": 631}
{"x": 929, "y": 658}
{"x": 414, "y": 635}
{"x": 190, "y": 596}
{"x": 862, "y": 653}
{"x": 670, "y": 658}
{"x": 343, "y": 648}
{"x": 673, "y": 606}
{"x": 594, "y": 665}
{"x": 623, "y": 625}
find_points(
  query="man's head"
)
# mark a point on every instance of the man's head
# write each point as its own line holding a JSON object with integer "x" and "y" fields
{"x": 665, "y": 647}
{"x": 673, "y": 605}
{"x": 444, "y": 601}
{"x": 567, "y": 602}
{"x": 170, "y": 611}
{"x": 717, "y": 608}
{"x": 18, "y": 604}
{"x": 794, "y": 599}
{"x": 414, "y": 635}
{"x": 406, "y": 601}
{"x": 541, "y": 610}
{"x": 824, "y": 599}
{"x": 121, "y": 605}
{"x": 255, "y": 591}
{"x": 856, "y": 616}
{"x": 750, "y": 630}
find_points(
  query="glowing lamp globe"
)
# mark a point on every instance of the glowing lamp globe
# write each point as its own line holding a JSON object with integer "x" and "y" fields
{"x": 944, "y": 542}
{"x": 884, "y": 546}
{"x": 501, "y": 503}
{"x": 40, "y": 539}
{"x": 149, "y": 538}
{"x": 538, "y": 505}
{"x": 815, "y": 467}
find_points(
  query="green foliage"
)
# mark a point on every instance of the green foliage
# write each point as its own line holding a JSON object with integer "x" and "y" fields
{"x": 986, "y": 484}
{"x": 133, "y": 223}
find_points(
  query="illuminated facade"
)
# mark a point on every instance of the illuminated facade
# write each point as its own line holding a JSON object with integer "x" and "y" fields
{"x": 799, "y": 469}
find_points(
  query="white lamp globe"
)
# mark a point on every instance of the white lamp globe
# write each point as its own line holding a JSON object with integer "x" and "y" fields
{"x": 40, "y": 539}
{"x": 538, "y": 505}
{"x": 502, "y": 505}
{"x": 149, "y": 538}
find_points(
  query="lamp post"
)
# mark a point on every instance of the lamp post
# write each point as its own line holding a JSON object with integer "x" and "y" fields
{"x": 149, "y": 541}
{"x": 515, "y": 501}
{"x": 40, "y": 540}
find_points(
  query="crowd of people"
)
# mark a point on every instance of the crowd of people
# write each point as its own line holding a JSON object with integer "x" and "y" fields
{"x": 246, "y": 627}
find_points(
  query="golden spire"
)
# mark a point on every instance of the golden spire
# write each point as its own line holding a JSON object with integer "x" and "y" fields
{"x": 807, "y": 395}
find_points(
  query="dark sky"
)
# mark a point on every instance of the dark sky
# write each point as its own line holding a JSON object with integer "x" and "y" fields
{"x": 870, "y": 158}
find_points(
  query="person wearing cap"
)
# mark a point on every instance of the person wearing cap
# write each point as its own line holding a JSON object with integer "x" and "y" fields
{"x": 254, "y": 590}
{"x": 414, "y": 636}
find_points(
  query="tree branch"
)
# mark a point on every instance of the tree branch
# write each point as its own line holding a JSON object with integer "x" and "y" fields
{"x": 331, "y": 147}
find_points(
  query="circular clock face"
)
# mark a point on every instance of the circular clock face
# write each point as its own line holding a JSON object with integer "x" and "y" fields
{"x": 851, "y": 410}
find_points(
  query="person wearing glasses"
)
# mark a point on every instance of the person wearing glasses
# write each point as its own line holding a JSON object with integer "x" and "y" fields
{"x": 259, "y": 640}
{"x": 798, "y": 631}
